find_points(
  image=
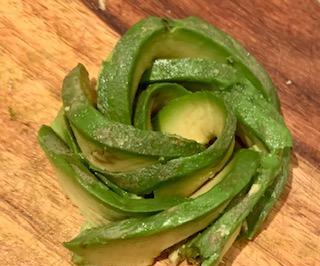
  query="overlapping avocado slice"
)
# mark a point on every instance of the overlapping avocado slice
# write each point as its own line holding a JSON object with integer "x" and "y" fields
{"x": 209, "y": 246}
{"x": 149, "y": 154}
{"x": 154, "y": 38}
{"x": 99, "y": 203}
{"x": 110, "y": 145}
{"x": 201, "y": 117}
{"x": 138, "y": 241}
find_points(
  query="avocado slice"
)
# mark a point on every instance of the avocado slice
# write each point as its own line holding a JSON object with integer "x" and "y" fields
{"x": 197, "y": 116}
{"x": 270, "y": 197}
{"x": 257, "y": 117}
{"x": 138, "y": 241}
{"x": 152, "y": 99}
{"x": 210, "y": 245}
{"x": 62, "y": 128}
{"x": 162, "y": 174}
{"x": 192, "y": 70}
{"x": 251, "y": 109}
{"x": 98, "y": 203}
{"x": 109, "y": 145}
{"x": 153, "y": 38}
{"x": 200, "y": 117}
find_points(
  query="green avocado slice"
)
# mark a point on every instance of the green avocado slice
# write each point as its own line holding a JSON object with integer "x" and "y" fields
{"x": 161, "y": 174}
{"x": 251, "y": 109}
{"x": 270, "y": 197}
{"x": 198, "y": 116}
{"x": 98, "y": 202}
{"x": 138, "y": 241}
{"x": 257, "y": 118}
{"x": 110, "y": 145}
{"x": 259, "y": 123}
{"x": 210, "y": 245}
{"x": 153, "y": 38}
{"x": 152, "y": 99}
{"x": 192, "y": 70}
{"x": 61, "y": 127}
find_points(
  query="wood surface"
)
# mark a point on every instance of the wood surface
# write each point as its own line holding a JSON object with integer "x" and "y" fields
{"x": 40, "y": 41}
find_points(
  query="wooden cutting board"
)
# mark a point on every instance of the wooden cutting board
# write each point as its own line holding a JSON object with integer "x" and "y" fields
{"x": 41, "y": 40}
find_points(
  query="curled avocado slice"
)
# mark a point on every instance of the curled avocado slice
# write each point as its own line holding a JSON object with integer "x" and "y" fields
{"x": 152, "y": 99}
{"x": 259, "y": 123}
{"x": 99, "y": 203}
{"x": 201, "y": 117}
{"x": 138, "y": 241}
{"x": 153, "y": 38}
{"x": 198, "y": 116}
{"x": 200, "y": 71}
{"x": 198, "y": 167}
{"x": 270, "y": 197}
{"x": 258, "y": 119}
{"x": 110, "y": 145}
{"x": 209, "y": 246}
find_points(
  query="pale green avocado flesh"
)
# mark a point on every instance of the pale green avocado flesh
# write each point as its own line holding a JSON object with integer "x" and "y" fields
{"x": 152, "y": 99}
{"x": 198, "y": 116}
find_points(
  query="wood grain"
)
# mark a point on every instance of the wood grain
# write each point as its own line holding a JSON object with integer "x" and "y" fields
{"x": 41, "y": 40}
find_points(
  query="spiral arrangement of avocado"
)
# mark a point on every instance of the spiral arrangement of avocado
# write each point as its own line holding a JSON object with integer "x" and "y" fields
{"x": 181, "y": 143}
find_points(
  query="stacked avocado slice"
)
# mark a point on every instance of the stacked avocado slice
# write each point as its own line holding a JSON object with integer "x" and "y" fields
{"x": 180, "y": 144}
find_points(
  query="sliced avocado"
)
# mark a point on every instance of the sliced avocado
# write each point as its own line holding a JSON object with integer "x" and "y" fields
{"x": 112, "y": 146}
{"x": 138, "y": 241}
{"x": 213, "y": 181}
{"x": 163, "y": 173}
{"x": 257, "y": 118}
{"x": 97, "y": 201}
{"x": 61, "y": 126}
{"x": 153, "y": 38}
{"x": 192, "y": 70}
{"x": 198, "y": 116}
{"x": 152, "y": 99}
{"x": 186, "y": 186}
{"x": 210, "y": 245}
{"x": 240, "y": 94}
{"x": 112, "y": 163}
{"x": 270, "y": 197}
